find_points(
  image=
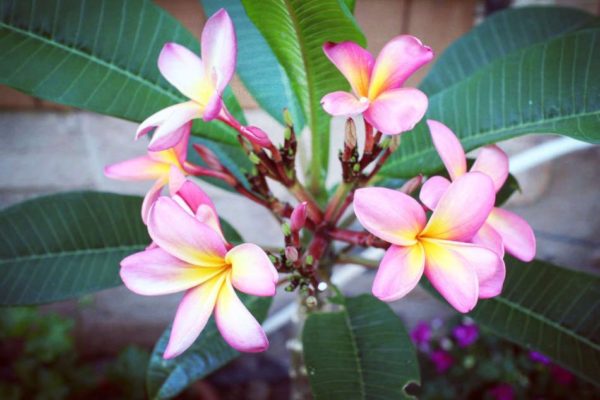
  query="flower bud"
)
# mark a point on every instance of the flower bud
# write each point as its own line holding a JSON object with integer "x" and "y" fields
{"x": 287, "y": 117}
{"x": 291, "y": 254}
{"x": 298, "y": 217}
{"x": 255, "y": 135}
{"x": 208, "y": 156}
{"x": 350, "y": 134}
{"x": 394, "y": 143}
{"x": 254, "y": 158}
{"x": 412, "y": 184}
{"x": 285, "y": 228}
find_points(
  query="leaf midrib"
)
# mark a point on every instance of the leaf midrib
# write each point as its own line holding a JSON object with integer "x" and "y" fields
{"x": 72, "y": 253}
{"x": 468, "y": 139}
{"x": 541, "y": 318}
{"x": 357, "y": 357}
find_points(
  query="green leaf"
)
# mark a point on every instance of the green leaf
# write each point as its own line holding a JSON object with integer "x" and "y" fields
{"x": 551, "y": 87}
{"x": 66, "y": 245}
{"x": 98, "y": 55}
{"x": 499, "y": 35}
{"x": 296, "y": 31}
{"x": 549, "y": 309}
{"x": 165, "y": 379}
{"x": 257, "y": 66}
{"x": 360, "y": 352}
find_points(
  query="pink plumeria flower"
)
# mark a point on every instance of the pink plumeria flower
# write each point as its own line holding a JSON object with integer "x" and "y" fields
{"x": 165, "y": 167}
{"x": 377, "y": 90}
{"x": 461, "y": 271}
{"x": 202, "y": 80}
{"x": 503, "y": 229}
{"x": 192, "y": 255}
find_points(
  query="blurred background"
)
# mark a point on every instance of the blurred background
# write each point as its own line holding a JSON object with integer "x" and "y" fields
{"x": 47, "y": 148}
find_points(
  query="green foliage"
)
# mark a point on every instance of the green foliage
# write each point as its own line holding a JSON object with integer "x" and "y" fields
{"x": 548, "y": 309}
{"x": 257, "y": 66}
{"x": 489, "y": 365}
{"x": 100, "y": 56}
{"x": 38, "y": 360}
{"x": 529, "y": 86}
{"x": 66, "y": 245}
{"x": 165, "y": 379}
{"x": 296, "y": 31}
{"x": 359, "y": 352}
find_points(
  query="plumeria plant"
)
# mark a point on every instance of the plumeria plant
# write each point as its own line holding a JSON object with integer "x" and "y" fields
{"x": 304, "y": 62}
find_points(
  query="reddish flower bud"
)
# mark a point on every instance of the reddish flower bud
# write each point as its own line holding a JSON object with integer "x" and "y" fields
{"x": 298, "y": 217}
{"x": 291, "y": 254}
{"x": 412, "y": 184}
{"x": 256, "y": 135}
{"x": 207, "y": 155}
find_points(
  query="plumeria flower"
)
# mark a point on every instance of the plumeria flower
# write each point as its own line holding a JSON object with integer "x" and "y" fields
{"x": 192, "y": 255}
{"x": 159, "y": 166}
{"x": 461, "y": 271}
{"x": 377, "y": 90}
{"x": 202, "y": 81}
{"x": 503, "y": 229}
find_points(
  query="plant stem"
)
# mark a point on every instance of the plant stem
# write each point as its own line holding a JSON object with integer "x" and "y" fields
{"x": 348, "y": 259}
{"x": 363, "y": 239}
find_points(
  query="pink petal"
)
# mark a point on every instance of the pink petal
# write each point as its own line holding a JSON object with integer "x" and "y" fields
{"x": 487, "y": 237}
{"x": 183, "y": 69}
{"x": 449, "y": 148}
{"x": 399, "y": 272}
{"x": 192, "y": 315}
{"x": 389, "y": 214}
{"x": 154, "y": 272}
{"x": 462, "y": 209}
{"x": 396, "y": 62}
{"x": 354, "y": 62}
{"x": 181, "y": 148}
{"x": 517, "y": 235}
{"x": 176, "y": 180}
{"x": 213, "y": 107}
{"x": 343, "y": 103}
{"x": 183, "y": 236}
{"x": 252, "y": 272}
{"x": 493, "y": 162}
{"x": 397, "y": 110}
{"x": 256, "y": 135}
{"x": 452, "y": 269}
{"x": 139, "y": 168}
{"x": 433, "y": 190}
{"x": 176, "y": 127}
{"x": 150, "y": 197}
{"x": 219, "y": 49}
{"x": 236, "y": 324}
{"x": 491, "y": 278}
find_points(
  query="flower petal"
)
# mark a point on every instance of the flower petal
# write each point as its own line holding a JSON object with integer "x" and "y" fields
{"x": 192, "y": 315}
{"x": 213, "y": 107}
{"x": 354, "y": 62}
{"x": 150, "y": 197}
{"x": 487, "y": 237}
{"x": 399, "y": 272}
{"x": 252, "y": 272}
{"x": 236, "y": 324}
{"x": 343, "y": 103}
{"x": 396, "y": 62}
{"x": 155, "y": 272}
{"x": 219, "y": 49}
{"x": 432, "y": 191}
{"x": 176, "y": 126}
{"x": 397, "y": 110}
{"x": 176, "y": 180}
{"x": 183, "y": 236}
{"x": 517, "y": 235}
{"x": 139, "y": 168}
{"x": 449, "y": 148}
{"x": 452, "y": 269}
{"x": 493, "y": 162}
{"x": 462, "y": 209}
{"x": 183, "y": 69}
{"x": 389, "y": 214}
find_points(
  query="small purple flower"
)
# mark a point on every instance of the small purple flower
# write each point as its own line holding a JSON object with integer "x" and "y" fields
{"x": 421, "y": 334}
{"x": 502, "y": 391}
{"x": 539, "y": 358}
{"x": 442, "y": 360}
{"x": 465, "y": 335}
